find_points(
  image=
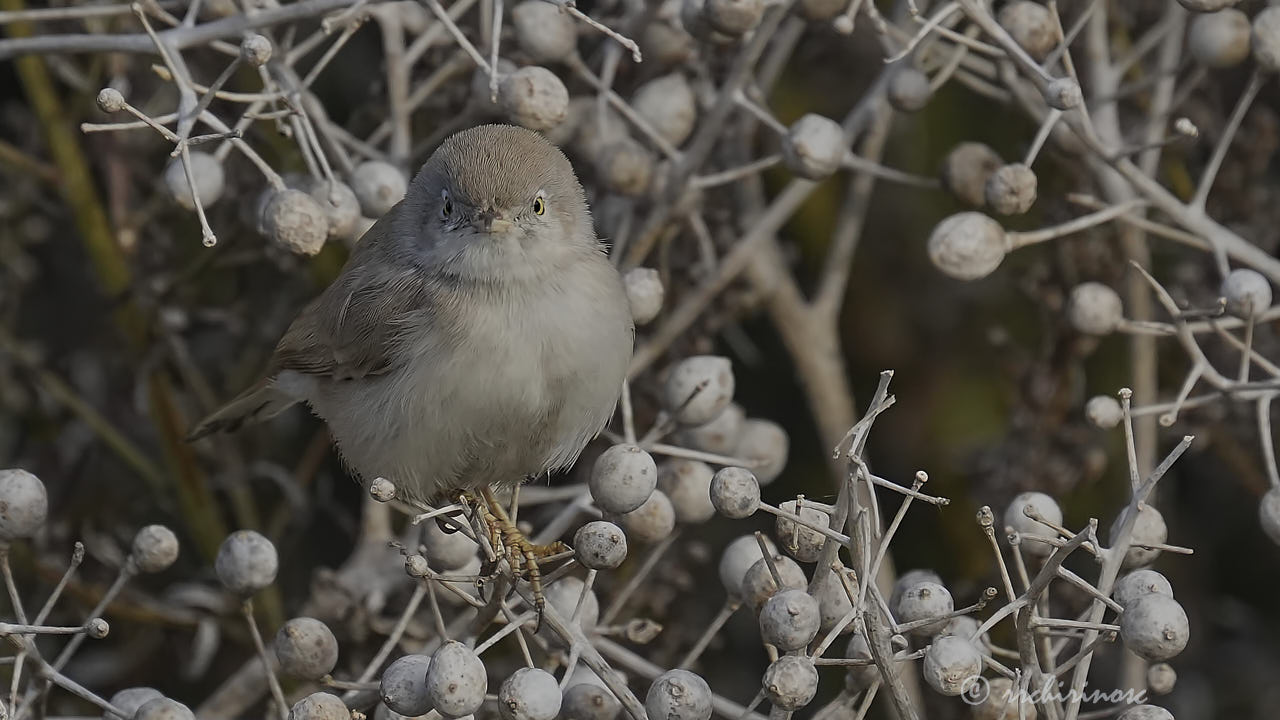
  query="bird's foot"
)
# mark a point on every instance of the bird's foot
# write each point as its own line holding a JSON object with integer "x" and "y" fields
{"x": 510, "y": 543}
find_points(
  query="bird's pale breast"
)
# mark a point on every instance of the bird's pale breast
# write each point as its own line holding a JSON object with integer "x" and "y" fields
{"x": 510, "y": 387}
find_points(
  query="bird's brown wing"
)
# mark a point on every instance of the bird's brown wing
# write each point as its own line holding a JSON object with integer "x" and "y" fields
{"x": 357, "y": 326}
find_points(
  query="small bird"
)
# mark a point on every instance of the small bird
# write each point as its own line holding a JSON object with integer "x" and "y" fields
{"x": 477, "y": 336}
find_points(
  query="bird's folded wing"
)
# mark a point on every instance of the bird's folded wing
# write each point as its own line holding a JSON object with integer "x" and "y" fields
{"x": 357, "y": 327}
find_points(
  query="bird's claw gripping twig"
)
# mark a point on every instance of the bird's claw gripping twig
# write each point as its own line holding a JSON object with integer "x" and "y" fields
{"x": 521, "y": 554}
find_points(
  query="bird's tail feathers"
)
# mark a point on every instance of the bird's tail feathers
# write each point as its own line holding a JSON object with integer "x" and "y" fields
{"x": 260, "y": 402}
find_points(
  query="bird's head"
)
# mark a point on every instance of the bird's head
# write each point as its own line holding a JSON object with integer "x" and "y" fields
{"x": 497, "y": 202}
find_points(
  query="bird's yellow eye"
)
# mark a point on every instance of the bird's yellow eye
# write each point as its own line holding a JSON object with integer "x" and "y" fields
{"x": 539, "y": 205}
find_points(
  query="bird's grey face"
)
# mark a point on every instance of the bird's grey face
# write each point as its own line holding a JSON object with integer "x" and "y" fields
{"x": 500, "y": 203}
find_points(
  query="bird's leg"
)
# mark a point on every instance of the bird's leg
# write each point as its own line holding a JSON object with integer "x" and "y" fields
{"x": 520, "y": 552}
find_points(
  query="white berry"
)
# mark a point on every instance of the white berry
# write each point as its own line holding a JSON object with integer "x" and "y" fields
{"x": 246, "y": 562}
{"x": 1247, "y": 292}
{"x": 802, "y": 542}
{"x": 24, "y": 504}
{"x": 698, "y": 389}
{"x": 735, "y": 493}
{"x": 1155, "y": 627}
{"x": 687, "y": 484}
{"x": 790, "y": 620}
{"x": 967, "y": 245}
{"x": 791, "y": 682}
{"x": 1015, "y": 517}
{"x": 306, "y": 648}
{"x": 1094, "y": 309}
{"x": 678, "y": 695}
{"x": 456, "y": 680}
{"x": 1104, "y": 411}
{"x": 205, "y": 168}
{"x": 766, "y": 445}
{"x": 1138, "y": 584}
{"x": 529, "y": 694}
{"x": 643, "y": 286}
{"x": 600, "y": 545}
{"x": 622, "y": 478}
{"x": 814, "y": 147}
{"x": 951, "y": 663}
{"x": 404, "y": 685}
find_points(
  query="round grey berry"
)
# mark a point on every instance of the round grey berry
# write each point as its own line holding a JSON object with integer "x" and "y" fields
{"x": 1154, "y": 627}
{"x": 255, "y": 50}
{"x": 951, "y": 664}
{"x": 1148, "y": 529}
{"x": 1015, "y": 517}
{"x": 110, "y": 100}
{"x": 586, "y": 697}
{"x": 447, "y": 551}
{"x": 378, "y": 187}
{"x": 1011, "y": 190}
{"x": 1094, "y": 309}
{"x": 404, "y": 685}
{"x": 698, "y": 389}
{"x": 24, "y": 504}
{"x": 833, "y": 604}
{"x": 791, "y": 682}
{"x": 1161, "y": 678}
{"x": 1031, "y": 26}
{"x": 766, "y": 445}
{"x": 534, "y": 97}
{"x": 1063, "y": 94}
{"x": 246, "y": 562}
{"x": 803, "y": 543}
{"x": 1138, "y": 584}
{"x": 205, "y": 168}
{"x": 737, "y": 559}
{"x": 967, "y": 245}
{"x": 719, "y": 436}
{"x": 306, "y": 648}
{"x": 668, "y": 103}
{"x": 910, "y": 579}
{"x": 643, "y": 286}
{"x": 294, "y": 220}
{"x": 687, "y": 484}
{"x": 529, "y": 694}
{"x": 456, "y": 680}
{"x": 544, "y": 31}
{"x": 600, "y": 545}
{"x": 163, "y": 708}
{"x": 563, "y": 595}
{"x": 965, "y": 171}
{"x": 129, "y": 700}
{"x": 155, "y": 548}
{"x": 320, "y": 706}
{"x": 790, "y": 620}
{"x": 622, "y": 478}
{"x": 758, "y": 585}
{"x": 923, "y": 601}
{"x": 814, "y": 147}
{"x": 678, "y": 695}
{"x": 1221, "y": 39}
{"x": 625, "y": 167}
{"x": 1104, "y": 411}
{"x": 1248, "y": 293}
{"x": 1266, "y": 39}
{"x": 651, "y": 522}
{"x": 909, "y": 90}
{"x": 340, "y": 205}
{"x": 735, "y": 493}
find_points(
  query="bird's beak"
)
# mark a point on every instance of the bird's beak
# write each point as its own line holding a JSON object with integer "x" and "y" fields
{"x": 491, "y": 221}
